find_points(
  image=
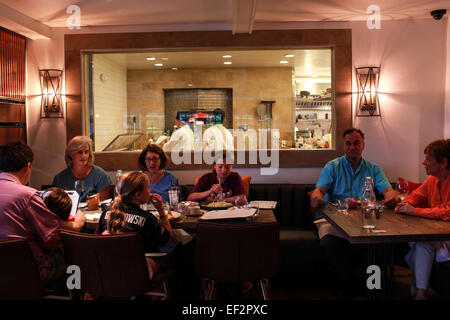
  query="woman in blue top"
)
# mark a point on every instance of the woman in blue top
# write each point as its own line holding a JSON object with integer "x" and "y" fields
{"x": 79, "y": 158}
{"x": 152, "y": 162}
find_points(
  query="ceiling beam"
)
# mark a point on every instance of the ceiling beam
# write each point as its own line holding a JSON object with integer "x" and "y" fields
{"x": 243, "y": 15}
{"x": 22, "y": 24}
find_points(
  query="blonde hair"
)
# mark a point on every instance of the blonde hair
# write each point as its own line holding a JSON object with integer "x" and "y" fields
{"x": 74, "y": 145}
{"x": 129, "y": 184}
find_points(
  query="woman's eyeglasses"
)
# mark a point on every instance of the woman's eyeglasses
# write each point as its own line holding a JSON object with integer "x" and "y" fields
{"x": 152, "y": 159}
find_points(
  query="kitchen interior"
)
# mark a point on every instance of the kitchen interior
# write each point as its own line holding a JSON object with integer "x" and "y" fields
{"x": 287, "y": 94}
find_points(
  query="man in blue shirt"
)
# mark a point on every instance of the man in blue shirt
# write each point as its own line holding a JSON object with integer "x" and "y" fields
{"x": 343, "y": 178}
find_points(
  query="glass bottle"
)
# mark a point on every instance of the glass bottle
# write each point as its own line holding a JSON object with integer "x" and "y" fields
{"x": 368, "y": 205}
{"x": 368, "y": 198}
{"x": 118, "y": 175}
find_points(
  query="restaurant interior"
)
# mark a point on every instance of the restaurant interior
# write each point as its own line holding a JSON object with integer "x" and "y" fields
{"x": 290, "y": 75}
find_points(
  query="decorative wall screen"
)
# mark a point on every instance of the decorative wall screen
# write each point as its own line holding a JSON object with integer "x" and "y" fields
{"x": 12, "y": 87}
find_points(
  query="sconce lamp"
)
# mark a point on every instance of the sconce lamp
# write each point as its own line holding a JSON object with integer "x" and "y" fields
{"x": 368, "y": 104}
{"x": 51, "y": 93}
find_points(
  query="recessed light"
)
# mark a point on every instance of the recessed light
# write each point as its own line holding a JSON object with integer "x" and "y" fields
{"x": 164, "y": 58}
{"x": 150, "y": 58}
{"x": 174, "y": 69}
{"x": 227, "y": 62}
{"x": 288, "y": 55}
{"x": 226, "y": 56}
{"x": 158, "y": 64}
{"x": 189, "y": 84}
{"x": 284, "y": 61}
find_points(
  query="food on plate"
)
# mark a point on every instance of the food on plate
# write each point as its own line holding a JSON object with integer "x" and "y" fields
{"x": 218, "y": 204}
{"x": 352, "y": 203}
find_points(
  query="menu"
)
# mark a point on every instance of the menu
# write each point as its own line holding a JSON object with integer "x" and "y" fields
{"x": 233, "y": 213}
{"x": 263, "y": 204}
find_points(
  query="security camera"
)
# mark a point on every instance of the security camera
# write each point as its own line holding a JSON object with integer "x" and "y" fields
{"x": 438, "y": 14}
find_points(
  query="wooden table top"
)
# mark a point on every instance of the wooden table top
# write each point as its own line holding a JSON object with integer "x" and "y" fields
{"x": 398, "y": 227}
{"x": 190, "y": 223}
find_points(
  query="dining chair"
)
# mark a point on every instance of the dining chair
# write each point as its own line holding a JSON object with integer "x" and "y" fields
{"x": 112, "y": 266}
{"x": 237, "y": 253}
{"x": 19, "y": 274}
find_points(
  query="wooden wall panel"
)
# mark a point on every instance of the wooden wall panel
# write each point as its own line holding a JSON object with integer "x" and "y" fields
{"x": 12, "y": 87}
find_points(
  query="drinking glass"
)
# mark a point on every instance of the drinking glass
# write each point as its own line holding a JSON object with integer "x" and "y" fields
{"x": 241, "y": 202}
{"x": 402, "y": 188}
{"x": 369, "y": 217}
{"x": 342, "y": 206}
{"x": 79, "y": 187}
{"x": 173, "y": 197}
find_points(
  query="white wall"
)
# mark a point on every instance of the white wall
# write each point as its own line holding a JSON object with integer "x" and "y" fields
{"x": 110, "y": 100}
{"x": 47, "y": 137}
{"x": 413, "y": 59}
{"x": 447, "y": 87}
{"x": 412, "y": 56}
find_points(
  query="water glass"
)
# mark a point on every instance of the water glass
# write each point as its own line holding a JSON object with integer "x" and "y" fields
{"x": 369, "y": 217}
{"x": 241, "y": 202}
{"x": 342, "y": 206}
{"x": 380, "y": 210}
{"x": 79, "y": 187}
{"x": 173, "y": 197}
{"x": 402, "y": 188}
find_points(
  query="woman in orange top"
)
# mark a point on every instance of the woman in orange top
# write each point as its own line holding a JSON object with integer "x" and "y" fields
{"x": 430, "y": 200}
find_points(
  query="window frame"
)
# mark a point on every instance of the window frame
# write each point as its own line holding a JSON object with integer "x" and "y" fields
{"x": 339, "y": 40}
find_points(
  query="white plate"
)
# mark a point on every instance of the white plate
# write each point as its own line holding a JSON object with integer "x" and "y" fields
{"x": 82, "y": 205}
{"x": 93, "y": 216}
{"x": 175, "y": 215}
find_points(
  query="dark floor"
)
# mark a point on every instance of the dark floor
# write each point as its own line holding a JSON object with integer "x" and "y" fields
{"x": 307, "y": 286}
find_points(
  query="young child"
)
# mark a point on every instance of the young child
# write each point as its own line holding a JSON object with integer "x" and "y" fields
{"x": 125, "y": 214}
{"x": 58, "y": 202}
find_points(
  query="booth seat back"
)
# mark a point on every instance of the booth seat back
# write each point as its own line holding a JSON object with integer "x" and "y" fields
{"x": 293, "y": 209}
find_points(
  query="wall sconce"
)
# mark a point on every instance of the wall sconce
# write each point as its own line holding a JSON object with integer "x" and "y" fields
{"x": 51, "y": 93}
{"x": 368, "y": 104}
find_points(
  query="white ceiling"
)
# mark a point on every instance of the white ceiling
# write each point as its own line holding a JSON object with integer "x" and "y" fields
{"x": 36, "y": 19}
{"x": 307, "y": 63}
{"x": 95, "y": 13}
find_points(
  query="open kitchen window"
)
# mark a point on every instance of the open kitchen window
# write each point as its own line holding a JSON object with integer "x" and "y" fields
{"x": 283, "y": 96}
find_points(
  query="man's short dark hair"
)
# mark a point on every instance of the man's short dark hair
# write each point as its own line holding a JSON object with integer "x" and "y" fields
{"x": 178, "y": 116}
{"x": 15, "y": 156}
{"x": 351, "y": 130}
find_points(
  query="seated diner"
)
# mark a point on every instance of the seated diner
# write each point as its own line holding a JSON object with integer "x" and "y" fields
{"x": 220, "y": 184}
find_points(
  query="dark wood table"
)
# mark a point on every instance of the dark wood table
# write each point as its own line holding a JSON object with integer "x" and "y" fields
{"x": 396, "y": 228}
{"x": 190, "y": 223}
